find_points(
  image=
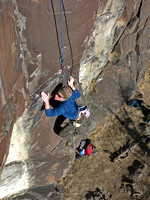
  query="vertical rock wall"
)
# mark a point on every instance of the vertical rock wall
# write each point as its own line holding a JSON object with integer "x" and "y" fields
{"x": 112, "y": 18}
{"x": 126, "y": 65}
{"x": 12, "y": 79}
{"x": 100, "y": 43}
{"x": 29, "y": 63}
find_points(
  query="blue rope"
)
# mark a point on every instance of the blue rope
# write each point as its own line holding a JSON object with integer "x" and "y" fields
{"x": 62, "y": 41}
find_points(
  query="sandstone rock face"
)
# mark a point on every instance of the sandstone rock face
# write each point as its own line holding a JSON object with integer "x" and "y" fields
{"x": 100, "y": 42}
{"x": 112, "y": 19}
{"x": 11, "y": 80}
{"x": 126, "y": 65}
{"x": 29, "y": 63}
{"x": 113, "y": 42}
{"x": 51, "y": 192}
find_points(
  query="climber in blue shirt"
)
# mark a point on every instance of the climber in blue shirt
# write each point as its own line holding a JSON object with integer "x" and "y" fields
{"x": 66, "y": 96}
{"x": 68, "y": 108}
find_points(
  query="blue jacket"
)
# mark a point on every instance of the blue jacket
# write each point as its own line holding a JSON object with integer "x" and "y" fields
{"x": 68, "y": 108}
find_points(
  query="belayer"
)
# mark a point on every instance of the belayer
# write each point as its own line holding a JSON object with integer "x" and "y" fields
{"x": 68, "y": 108}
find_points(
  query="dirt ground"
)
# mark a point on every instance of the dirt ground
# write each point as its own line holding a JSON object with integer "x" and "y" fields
{"x": 115, "y": 178}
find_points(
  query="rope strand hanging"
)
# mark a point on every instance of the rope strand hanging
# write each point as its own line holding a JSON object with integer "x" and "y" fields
{"x": 61, "y": 50}
{"x": 62, "y": 41}
{"x": 61, "y": 57}
{"x": 67, "y": 32}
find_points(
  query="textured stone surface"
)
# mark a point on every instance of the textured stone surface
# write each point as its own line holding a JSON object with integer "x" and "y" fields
{"x": 128, "y": 39}
{"x": 12, "y": 100}
{"x": 100, "y": 43}
{"x": 40, "y": 37}
{"x": 127, "y": 64}
{"x": 29, "y": 63}
{"x": 120, "y": 81}
{"x": 13, "y": 178}
{"x": 50, "y": 192}
{"x": 131, "y": 10}
{"x": 112, "y": 19}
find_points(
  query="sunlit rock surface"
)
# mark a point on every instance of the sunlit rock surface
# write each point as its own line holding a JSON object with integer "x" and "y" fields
{"x": 100, "y": 43}
{"x": 126, "y": 65}
{"x": 29, "y": 61}
{"x": 112, "y": 18}
{"x": 112, "y": 41}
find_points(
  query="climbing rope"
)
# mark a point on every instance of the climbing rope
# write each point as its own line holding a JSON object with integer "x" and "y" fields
{"x": 67, "y": 32}
{"x": 61, "y": 50}
{"x": 60, "y": 56}
{"x": 62, "y": 40}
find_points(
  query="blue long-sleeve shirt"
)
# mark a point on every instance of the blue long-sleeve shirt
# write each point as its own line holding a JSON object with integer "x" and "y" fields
{"x": 68, "y": 108}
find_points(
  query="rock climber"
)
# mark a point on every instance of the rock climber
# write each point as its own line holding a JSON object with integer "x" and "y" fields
{"x": 67, "y": 109}
{"x": 66, "y": 96}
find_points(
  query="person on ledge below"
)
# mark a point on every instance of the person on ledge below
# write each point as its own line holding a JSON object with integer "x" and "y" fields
{"x": 68, "y": 108}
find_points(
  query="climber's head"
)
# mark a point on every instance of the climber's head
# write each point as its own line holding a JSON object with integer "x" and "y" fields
{"x": 63, "y": 94}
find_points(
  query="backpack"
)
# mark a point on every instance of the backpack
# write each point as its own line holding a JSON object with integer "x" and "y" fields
{"x": 89, "y": 149}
